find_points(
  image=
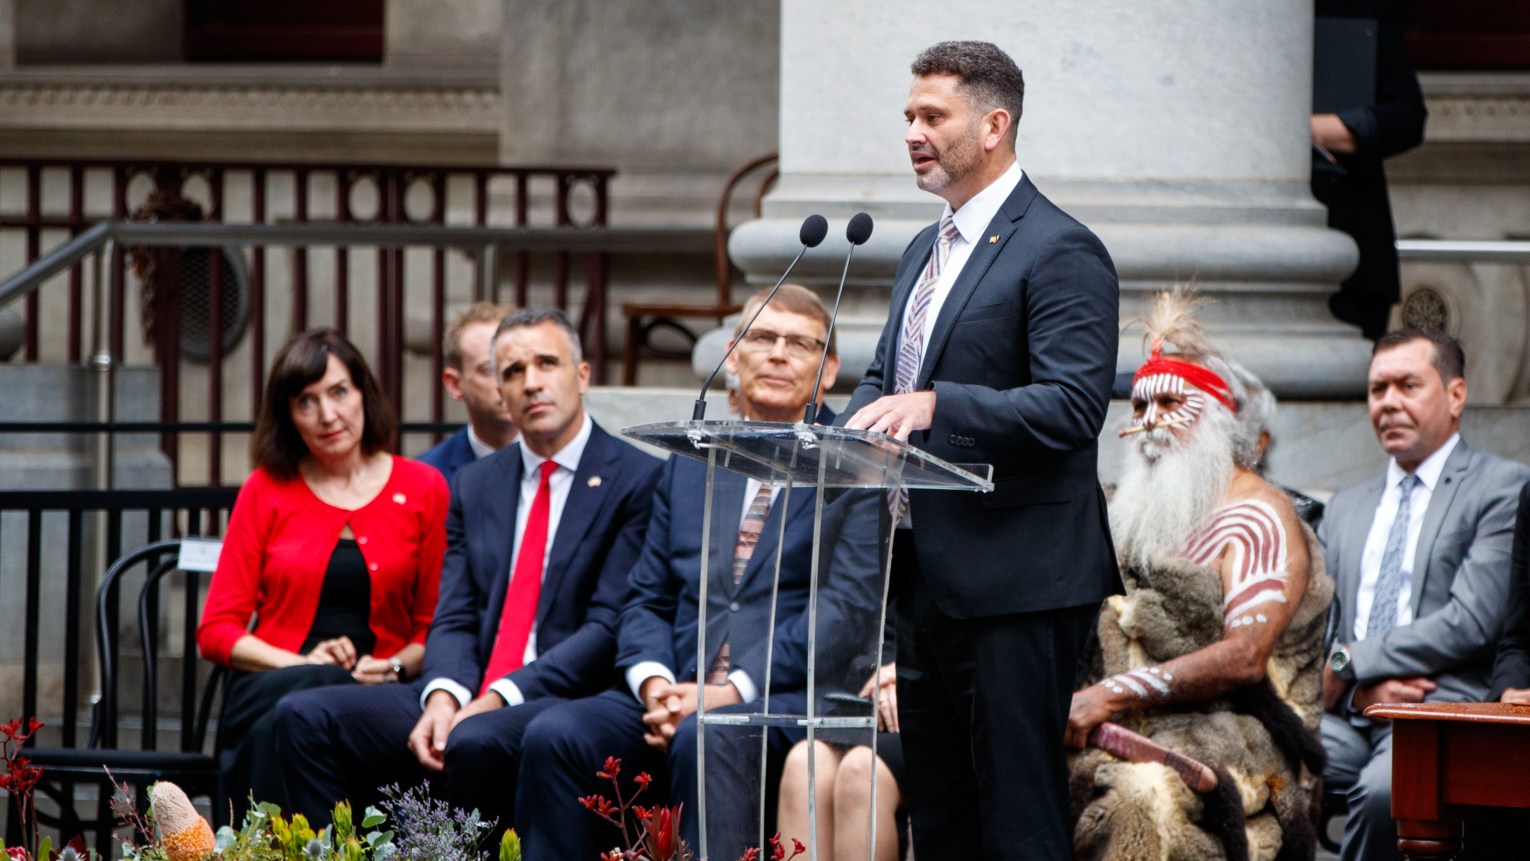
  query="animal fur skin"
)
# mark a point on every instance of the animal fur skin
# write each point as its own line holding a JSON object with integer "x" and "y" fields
{"x": 1262, "y": 741}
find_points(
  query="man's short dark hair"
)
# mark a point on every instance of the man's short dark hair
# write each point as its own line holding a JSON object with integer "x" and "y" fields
{"x": 989, "y": 78}
{"x": 536, "y": 315}
{"x": 1448, "y": 356}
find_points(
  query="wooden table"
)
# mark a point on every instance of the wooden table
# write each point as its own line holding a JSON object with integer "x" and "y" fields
{"x": 1448, "y": 758}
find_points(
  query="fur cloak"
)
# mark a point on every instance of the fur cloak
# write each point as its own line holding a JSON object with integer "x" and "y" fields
{"x": 1261, "y": 740}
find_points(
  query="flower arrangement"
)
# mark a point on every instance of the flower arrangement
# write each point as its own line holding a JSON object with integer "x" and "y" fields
{"x": 423, "y": 829}
{"x": 19, "y": 781}
{"x": 653, "y": 833}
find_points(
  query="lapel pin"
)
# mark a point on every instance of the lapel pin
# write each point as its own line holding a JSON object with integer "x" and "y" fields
{"x": 994, "y": 239}
{"x": 398, "y": 498}
{"x": 594, "y": 481}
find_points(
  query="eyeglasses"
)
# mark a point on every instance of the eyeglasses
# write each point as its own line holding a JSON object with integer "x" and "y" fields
{"x": 764, "y": 340}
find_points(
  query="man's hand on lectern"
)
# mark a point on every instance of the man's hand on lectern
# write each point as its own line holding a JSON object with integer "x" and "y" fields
{"x": 896, "y": 415}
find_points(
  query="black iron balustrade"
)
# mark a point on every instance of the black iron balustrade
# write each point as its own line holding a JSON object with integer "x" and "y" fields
{"x": 44, "y": 202}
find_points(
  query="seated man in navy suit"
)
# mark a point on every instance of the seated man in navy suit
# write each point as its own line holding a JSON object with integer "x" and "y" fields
{"x": 648, "y": 720}
{"x": 467, "y": 374}
{"x": 540, "y": 537}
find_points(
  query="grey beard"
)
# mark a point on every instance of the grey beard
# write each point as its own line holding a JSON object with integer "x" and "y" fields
{"x": 1169, "y": 489}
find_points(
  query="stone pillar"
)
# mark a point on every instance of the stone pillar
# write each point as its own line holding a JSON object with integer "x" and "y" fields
{"x": 674, "y": 94}
{"x": 1176, "y": 131}
{"x": 7, "y": 34}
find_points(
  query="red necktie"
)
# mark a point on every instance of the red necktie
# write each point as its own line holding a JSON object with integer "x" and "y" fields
{"x": 525, "y": 590}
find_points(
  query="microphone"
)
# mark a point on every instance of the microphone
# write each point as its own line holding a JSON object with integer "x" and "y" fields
{"x": 814, "y": 228}
{"x": 857, "y": 231}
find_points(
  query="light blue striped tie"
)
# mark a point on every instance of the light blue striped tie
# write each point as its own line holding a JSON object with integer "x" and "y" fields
{"x": 1389, "y": 583}
{"x": 911, "y": 342}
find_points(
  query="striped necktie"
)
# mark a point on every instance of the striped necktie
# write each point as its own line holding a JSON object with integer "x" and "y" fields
{"x": 743, "y": 550}
{"x": 1390, "y": 581}
{"x": 911, "y": 341}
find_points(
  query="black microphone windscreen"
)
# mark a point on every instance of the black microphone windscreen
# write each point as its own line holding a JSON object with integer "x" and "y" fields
{"x": 859, "y": 229}
{"x": 814, "y": 228}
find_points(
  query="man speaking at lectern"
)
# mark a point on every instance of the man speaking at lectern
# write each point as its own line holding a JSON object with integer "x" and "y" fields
{"x": 1000, "y": 348}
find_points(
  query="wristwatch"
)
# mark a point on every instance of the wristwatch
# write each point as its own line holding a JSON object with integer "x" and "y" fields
{"x": 398, "y": 668}
{"x": 1339, "y": 662}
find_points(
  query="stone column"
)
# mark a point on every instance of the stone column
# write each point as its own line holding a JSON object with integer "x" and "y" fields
{"x": 7, "y": 34}
{"x": 1177, "y": 131}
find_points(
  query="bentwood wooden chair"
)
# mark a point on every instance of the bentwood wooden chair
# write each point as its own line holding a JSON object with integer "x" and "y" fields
{"x": 127, "y": 722}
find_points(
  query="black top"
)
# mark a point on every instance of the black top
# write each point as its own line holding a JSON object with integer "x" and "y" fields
{"x": 1355, "y": 189}
{"x": 345, "y": 601}
{"x": 1307, "y": 508}
{"x": 1512, "y": 669}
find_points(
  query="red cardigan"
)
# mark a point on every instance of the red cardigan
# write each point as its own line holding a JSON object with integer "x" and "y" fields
{"x": 280, "y": 537}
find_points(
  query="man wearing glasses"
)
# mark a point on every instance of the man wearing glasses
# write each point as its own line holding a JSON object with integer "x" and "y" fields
{"x": 648, "y": 721}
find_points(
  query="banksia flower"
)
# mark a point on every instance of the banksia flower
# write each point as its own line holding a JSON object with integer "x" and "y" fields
{"x": 183, "y": 833}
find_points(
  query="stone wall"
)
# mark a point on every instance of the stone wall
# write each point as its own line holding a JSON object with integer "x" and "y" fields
{"x": 96, "y": 31}
{"x": 673, "y": 93}
{"x": 1471, "y": 180}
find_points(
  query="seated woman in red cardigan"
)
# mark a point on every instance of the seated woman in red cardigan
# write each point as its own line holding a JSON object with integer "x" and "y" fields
{"x": 334, "y": 547}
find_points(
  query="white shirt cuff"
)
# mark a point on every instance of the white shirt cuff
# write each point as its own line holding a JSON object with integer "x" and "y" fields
{"x": 639, "y": 673}
{"x": 747, "y": 692}
{"x": 461, "y": 694}
{"x": 508, "y": 690}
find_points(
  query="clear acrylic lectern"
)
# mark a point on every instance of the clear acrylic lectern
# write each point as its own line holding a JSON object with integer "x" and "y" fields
{"x": 802, "y": 614}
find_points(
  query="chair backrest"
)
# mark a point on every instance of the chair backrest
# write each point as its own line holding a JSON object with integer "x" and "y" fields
{"x": 158, "y": 561}
{"x": 720, "y": 226}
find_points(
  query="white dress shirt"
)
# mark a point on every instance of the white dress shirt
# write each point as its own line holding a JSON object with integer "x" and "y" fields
{"x": 971, "y": 222}
{"x": 1428, "y": 474}
{"x": 748, "y": 691}
{"x": 558, "y": 485}
{"x": 480, "y": 448}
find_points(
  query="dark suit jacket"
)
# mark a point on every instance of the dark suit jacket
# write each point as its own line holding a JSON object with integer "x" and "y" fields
{"x": 1355, "y": 190}
{"x": 1460, "y": 579}
{"x": 451, "y": 454}
{"x": 599, "y": 535}
{"x": 1512, "y": 669}
{"x": 1021, "y": 359}
{"x": 659, "y": 621}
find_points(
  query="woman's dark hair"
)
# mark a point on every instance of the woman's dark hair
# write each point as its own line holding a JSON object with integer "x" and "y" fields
{"x": 277, "y": 447}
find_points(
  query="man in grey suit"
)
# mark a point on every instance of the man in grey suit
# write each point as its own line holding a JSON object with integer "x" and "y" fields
{"x": 1420, "y": 557}
{"x": 1000, "y": 348}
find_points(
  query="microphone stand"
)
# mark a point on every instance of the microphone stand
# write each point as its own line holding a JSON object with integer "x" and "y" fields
{"x": 814, "y": 228}
{"x": 858, "y": 231}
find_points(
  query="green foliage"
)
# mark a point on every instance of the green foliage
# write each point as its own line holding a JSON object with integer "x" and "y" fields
{"x": 423, "y": 830}
{"x": 268, "y": 835}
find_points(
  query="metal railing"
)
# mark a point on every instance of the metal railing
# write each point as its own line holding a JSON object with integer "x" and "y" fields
{"x": 1463, "y": 251}
{"x": 228, "y": 311}
{"x": 96, "y": 249}
{"x": 56, "y": 545}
